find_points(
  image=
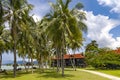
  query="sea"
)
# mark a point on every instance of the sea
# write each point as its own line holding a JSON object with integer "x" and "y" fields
{"x": 10, "y": 67}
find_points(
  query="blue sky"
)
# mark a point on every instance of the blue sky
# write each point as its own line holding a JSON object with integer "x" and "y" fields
{"x": 103, "y": 20}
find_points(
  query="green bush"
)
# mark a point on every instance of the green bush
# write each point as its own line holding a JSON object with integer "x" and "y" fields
{"x": 104, "y": 60}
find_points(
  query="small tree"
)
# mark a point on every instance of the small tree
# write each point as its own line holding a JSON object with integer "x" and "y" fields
{"x": 91, "y": 51}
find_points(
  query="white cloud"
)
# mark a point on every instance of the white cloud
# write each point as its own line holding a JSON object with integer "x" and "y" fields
{"x": 99, "y": 27}
{"x": 114, "y": 4}
{"x": 37, "y": 18}
{"x": 40, "y": 9}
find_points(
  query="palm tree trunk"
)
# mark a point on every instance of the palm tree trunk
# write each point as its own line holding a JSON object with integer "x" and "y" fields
{"x": 32, "y": 64}
{"x": 28, "y": 64}
{"x": 62, "y": 53}
{"x": 0, "y": 60}
{"x": 39, "y": 59}
{"x": 58, "y": 59}
{"x": 14, "y": 36}
{"x": 25, "y": 64}
{"x": 38, "y": 63}
{"x": 42, "y": 65}
{"x": 57, "y": 65}
{"x": 15, "y": 62}
{"x": 49, "y": 61}
{"x": 53, "y": 64}
{"x": 62, "y": 63}
{"x": 74, "y": 62}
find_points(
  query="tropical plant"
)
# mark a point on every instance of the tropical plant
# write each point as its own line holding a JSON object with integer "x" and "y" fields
{"x": 42, "y": 45}
{"x": 62, "y": 27}
{"x": 91, "y": 51}
{"x": 92, "y": 47}
{"x": 15, "y": 9}
{"x": 2, "y": 45}
{"x": 76, "y": 43}
{"x": 27, "y": 38}
{"x": 106, "y": 59}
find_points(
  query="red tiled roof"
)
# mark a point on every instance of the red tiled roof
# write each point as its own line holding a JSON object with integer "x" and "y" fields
{"x": 68, "y": 56}
{"x": 117, "y": 51}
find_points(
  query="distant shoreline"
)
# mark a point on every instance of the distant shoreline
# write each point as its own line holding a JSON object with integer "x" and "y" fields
{"x": 10, "y": 67}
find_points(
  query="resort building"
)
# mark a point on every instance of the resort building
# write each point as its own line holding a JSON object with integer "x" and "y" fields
{"x": 71, "y": 59}
{"x": 117, "y": 50}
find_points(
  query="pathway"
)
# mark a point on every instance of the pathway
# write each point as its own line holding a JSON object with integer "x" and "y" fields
{"x": 102, "y": 74}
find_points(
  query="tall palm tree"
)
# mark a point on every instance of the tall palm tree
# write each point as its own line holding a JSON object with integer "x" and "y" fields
{"x": 16, "y": 8}
{"x": 2, "y": 45}
{"x": 76, "y": 42}
{"x": 26, "y": 37}
{"x": 63, "y": 26}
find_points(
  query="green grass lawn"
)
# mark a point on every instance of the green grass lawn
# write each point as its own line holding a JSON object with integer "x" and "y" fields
{"x": 52, "y": 75}
{"x": 111, "y": 72}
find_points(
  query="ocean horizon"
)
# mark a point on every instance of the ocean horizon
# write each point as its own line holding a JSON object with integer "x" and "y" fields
{"x": 7, "y": 62}
{"x": 10, "y": 67}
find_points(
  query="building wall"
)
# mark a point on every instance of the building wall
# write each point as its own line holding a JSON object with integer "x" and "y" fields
{"x": 78, "y": 62}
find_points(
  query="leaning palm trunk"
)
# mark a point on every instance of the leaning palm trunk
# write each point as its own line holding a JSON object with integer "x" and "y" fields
{"x": 72, "y": 63}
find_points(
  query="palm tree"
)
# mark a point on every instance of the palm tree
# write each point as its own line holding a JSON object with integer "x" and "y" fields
{"x": 91, "y": 50}
{"x": 2, "y": 45}
{"x": 76, "y": 42}
{"x": 26, "y": 37}
{"x": 92, "y": 47}
{"x": 16, "y": 8}
{"x": 63, "y": 26}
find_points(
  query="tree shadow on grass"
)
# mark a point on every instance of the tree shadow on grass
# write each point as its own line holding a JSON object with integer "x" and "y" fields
{"x": 70, "y": 69}
{"x": 53, "y": 74}
{"x": 10, "y": 74}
